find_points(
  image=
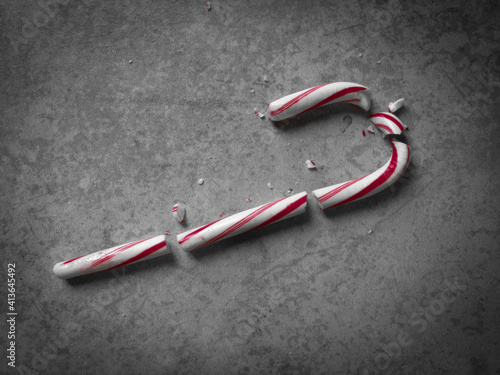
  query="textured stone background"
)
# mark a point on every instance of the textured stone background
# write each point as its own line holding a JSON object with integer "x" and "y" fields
{"x": 95, "y": 151}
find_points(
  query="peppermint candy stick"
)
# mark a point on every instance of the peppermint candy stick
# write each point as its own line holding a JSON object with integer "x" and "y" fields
{"x": 243, "y": 222}
{"x": 112, "y": 258}
{"x": 314, "y": 97}
{"x": 368, "y": 185}
{"x": 388, "y": 123}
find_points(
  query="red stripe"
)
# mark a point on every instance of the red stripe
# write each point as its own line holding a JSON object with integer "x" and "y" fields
{"x": 338, "y": 189}
{"x": 335, "y": 96}
{"x": 242, "y": 222}
{"x": 188, "y": 236}
{"x": 174, "y": 209}
{"x": 143, "y": 254}
{"x": 114, "y": 253}
{"x": 295, "y": 100}
{"x": 389, "y": 117}
{"x": 384, "y": 127}
{"x": 289, "y": 209}
{"x": 72, "y": 260}
{"x": 379, "y": 181}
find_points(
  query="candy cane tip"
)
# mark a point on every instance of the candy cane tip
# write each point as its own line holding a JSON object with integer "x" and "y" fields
{"x": 113, "y": 257}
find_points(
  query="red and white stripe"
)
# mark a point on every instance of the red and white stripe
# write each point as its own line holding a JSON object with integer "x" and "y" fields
{"x": 179, "y": 211}
{"x": 393, "y": 107}
{"x": 388, "y": 123}
{"x": 243, "y": 222}
{"x": 314, "y": 97}
{"x": 363, "y": 187}
{"x": 112, "y": 258}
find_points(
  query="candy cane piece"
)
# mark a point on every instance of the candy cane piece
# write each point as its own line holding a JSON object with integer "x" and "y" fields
{"x": 314, "y": 97}
{"x": 368, "y": 185}
{"x": 179, "y": 212}
{"x": 393, "y": 107}
{"x": 114, "y": 257}
{"x": 243, "y": 222}
{"x": 388, "y": 123}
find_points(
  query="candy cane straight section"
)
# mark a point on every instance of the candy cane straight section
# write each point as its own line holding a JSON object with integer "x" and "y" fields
{"x": 314, "y": 97}
{"x": 113, "y": 257}
{"x": 243, "y": 222}
{"x": 368, "y": 185}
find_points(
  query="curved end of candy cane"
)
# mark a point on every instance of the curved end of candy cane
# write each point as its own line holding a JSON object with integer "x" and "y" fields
{"x": 114, "y": 257}
{"x": 363, "y": 187}
{"x": 318, "y": 96}
{"x": 388, "y": 123}
{"x": 242, "y": 222}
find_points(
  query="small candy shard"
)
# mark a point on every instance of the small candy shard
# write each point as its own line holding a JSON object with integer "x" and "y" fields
{"x": 209, "y": 6}
{"x": 270, "y": 186}
{"x": 252, "y": 90}
{"x": 393, "y": 107}
{"x": 364, "y": 134}
{"x": 310, "y": 164}
{"x": 371, "y": 128}
{"x": 266, "y": 78}
{"x": 130, "y": 62}
{"x": 370, "y": 231}
{"x": 179, "y": 212}
{"x": 201, "y": 181}
{"x": 260, "y": 114}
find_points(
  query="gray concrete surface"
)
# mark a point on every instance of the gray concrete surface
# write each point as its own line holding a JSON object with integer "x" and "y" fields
{"x": 95, "y": 151}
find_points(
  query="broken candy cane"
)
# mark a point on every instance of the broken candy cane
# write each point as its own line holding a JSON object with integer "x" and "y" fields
{"x": 314, "y": 97}
{"x": 368, "y": 185}
{"x": 393, "y": 107}
{"x": 388, "y": 123}
{"x": 112, "y": 258}
{"x": 243, "y": 222}
{"x": 179, "y": 211}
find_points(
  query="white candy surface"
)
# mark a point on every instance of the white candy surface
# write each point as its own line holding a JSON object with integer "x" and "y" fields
{"x": 382, "y": 178}
{"x": 243, "y": 222}
{"x": 113, "y": 257}
{"x": 314, "y": 97}
{"x": 388, "y": 123}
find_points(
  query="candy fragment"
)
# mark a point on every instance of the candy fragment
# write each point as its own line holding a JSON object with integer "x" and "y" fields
{"x": 368, "y": 185}
{"x": 370, "y": 129}
{"x": 270, "y": 186}
{"x": 388, "y": 123}
{"x": 243, "y": 222}
{"x": 260, "y": 114}
{"x": 201, "y": 181}
{"x": 208, "y": 5}
{"x": 393, "y": 107}
{"x": 179, "y": 212}
{"x": 314, "y": 97}
{"x": 112, "y": 258}
{"x": 310, "y": 164}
